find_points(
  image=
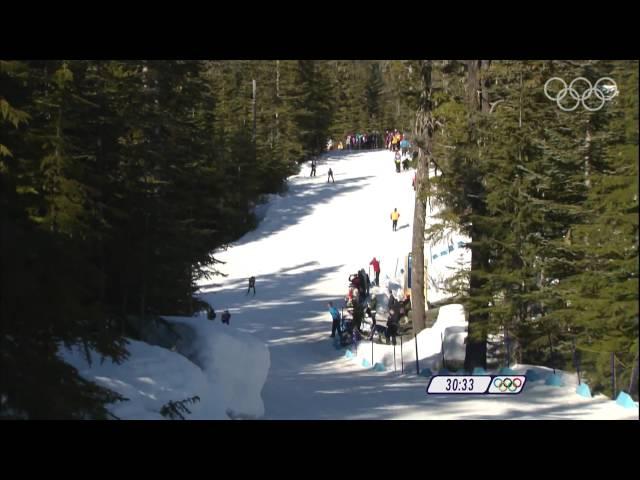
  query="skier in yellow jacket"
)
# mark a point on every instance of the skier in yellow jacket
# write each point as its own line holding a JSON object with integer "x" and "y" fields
{"x": 395, "y": 215}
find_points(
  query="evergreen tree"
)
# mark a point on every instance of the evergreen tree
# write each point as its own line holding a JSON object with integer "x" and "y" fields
{"x": 536, "y": 202}
{"x": 314, "y": 107}
{"x": 119, "y": 178}
{"x": 374, "y": 88}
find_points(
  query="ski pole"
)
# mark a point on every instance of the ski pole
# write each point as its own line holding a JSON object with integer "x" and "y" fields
{"x": 415, "y": 336}
{"x": 401, "y": 357}
{"x": 394, "y": 357}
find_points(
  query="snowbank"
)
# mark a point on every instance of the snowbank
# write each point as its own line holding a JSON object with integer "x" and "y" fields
{"x": 455, "y": 348}
{"x": 451, "y": 323}
{"x": 261, "y": 208}
{"x": 236, "y": 361}
{"x": 225, "y": 368}
{"x": 150, "y": 378}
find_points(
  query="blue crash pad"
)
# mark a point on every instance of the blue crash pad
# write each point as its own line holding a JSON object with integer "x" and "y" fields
{"x": 507, "y": 371}
{"x": 366, "y": 363}
{"x": 532, "y": 376}
{"x": 624, "y": 400}
{"x": 479, "y": 371}
{"x": 554, "y": 380}
{"x": 583, "y": 390}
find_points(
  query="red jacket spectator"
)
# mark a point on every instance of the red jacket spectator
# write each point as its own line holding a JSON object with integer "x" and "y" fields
{"x": 376, "y": 264}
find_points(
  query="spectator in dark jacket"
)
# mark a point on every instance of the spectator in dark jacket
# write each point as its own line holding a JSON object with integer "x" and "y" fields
{"x": 362, "y": 281}
{"x": 393, "y": 323}
{"x": 392, "y": 300}
{"x": 335, "y": 317}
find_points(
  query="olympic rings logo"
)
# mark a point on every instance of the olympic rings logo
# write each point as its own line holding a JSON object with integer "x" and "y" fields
{"x": 507, "y": 384}
{"x": 602, "y": 93}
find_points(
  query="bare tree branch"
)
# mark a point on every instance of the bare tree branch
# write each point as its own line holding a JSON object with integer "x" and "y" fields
{"x": 494, "y": 104}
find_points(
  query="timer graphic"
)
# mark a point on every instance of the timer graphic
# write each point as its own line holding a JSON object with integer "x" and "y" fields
{"x": 476, "y": 384}
{"x": 460, "y": 384}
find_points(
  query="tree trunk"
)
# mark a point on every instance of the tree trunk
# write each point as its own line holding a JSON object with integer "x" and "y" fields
{"x": 473, "y": 84}
{"x": 587, "y": 163}
{"x": 423, "y": 134}
{"x": 4, "y": 275}
{"x": 418, "y": 299}
{"x": 277, "y": 135}
{"x": 277, "y": 78}
{"x": 253, "y": 107}
{"x": 633, "y": 382}
{"x": 125, "y": 307}
{"x": 485, "y": 106}
{"x": 143, "y": 292}
{"x": 476, "y": 350}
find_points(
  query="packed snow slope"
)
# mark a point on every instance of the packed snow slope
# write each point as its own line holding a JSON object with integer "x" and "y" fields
{"x": 301, "y": 254}
{"x": 224, "y": 368}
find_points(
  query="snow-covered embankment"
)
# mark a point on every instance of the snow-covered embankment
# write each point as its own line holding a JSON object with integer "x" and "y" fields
{"x": 225, "y": 368}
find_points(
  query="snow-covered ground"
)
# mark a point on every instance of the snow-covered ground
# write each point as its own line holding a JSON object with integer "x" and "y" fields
{"x": 234, "y": 361}
{"x": 302, "y": 253}
{"x": 276, "y": 360}
{"x": 150, "y": 378}
{"x": 225, "y": 368}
